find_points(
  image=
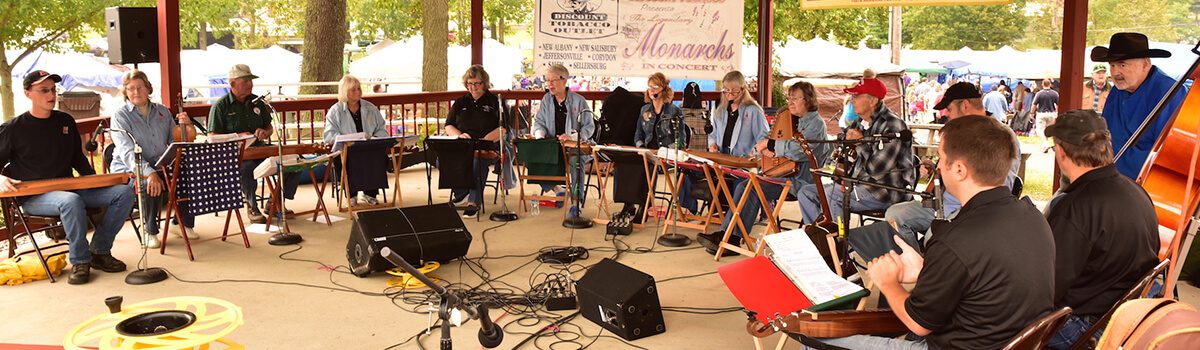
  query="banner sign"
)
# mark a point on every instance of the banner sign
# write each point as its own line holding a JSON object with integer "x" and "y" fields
{"x": 841, "y": 4}
{"x": 695, "y": 39}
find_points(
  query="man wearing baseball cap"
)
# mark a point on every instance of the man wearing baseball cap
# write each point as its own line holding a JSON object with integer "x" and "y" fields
{"x": 44, "y": 144}
{"x": 1105, "y": 228}
{"x": 1095, "y": 90}
{"x": 1140, "y": 86}
{"x": 879, "y": 163}
{"x": 240, "y": 112}
{"x": 913, "y": 217}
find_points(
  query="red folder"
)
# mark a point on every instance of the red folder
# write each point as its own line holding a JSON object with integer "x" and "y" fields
{"x": 759, "y": 285}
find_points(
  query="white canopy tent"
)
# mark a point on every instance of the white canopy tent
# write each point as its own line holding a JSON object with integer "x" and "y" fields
{"x": 403, "y": 61}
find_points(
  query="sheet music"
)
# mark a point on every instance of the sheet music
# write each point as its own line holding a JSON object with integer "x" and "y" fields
{"x": 799, "y": 260}
{"x": 168, "y": 156}
{"x": 351, "y": 137}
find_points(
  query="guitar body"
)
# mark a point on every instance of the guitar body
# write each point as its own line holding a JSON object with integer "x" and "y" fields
{"x": 831, "y": 324}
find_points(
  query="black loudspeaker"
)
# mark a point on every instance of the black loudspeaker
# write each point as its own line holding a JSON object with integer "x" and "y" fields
{"x": 132, "y": 34}
{"x": 418, "y": 234}
{"x": 620, "y": 299}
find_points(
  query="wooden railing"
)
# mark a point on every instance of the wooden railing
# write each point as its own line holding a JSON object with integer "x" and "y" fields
{"x": 408, "y": 114}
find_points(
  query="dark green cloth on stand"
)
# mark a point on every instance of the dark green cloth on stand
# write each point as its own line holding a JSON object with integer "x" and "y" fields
{"x": 542, "y": 157}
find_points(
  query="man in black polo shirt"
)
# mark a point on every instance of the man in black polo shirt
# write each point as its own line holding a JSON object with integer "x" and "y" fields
{"x": 987, "y": 274}
{"x": 1045, "y": 109}
{"x": 1105, "y": 228}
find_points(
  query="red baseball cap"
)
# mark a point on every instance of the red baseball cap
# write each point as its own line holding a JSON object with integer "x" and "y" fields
{"x": 870, "y": 86}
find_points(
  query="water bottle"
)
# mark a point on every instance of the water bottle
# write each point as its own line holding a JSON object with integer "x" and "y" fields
{"x": 535, "y": 208}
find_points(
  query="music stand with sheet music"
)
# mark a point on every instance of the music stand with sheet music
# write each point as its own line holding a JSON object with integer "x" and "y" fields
{"x": 364, "y": 150}
{"x": 457, "y": 164}
{"x": 627, "y": 159}
{"x": 207, "y": 176}
{"x": 297, "y": 164}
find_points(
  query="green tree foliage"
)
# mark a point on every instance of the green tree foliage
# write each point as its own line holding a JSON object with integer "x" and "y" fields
{"x": 844, "y": 26}
{"x": 952, "y": 27}
{"x": 395, "y": 19}
{"x": 1160, "y": 20}
{"x": 47, "y": 25}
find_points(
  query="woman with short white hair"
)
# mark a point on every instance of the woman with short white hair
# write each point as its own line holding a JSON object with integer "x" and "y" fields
{"x": 352, "y": 114}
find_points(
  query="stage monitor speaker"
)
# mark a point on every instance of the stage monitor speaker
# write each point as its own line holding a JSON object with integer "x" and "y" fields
{"x": 418, "y": 234}
{"x": 132, "y": 34}
{"x": 620, "y": 299}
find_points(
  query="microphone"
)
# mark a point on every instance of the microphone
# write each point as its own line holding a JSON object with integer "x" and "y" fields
{"x": 261, "y": 98}
{"x": 903, "y": 136}
{"x": 490, "y": 336}
{"x": 93, "y": 144}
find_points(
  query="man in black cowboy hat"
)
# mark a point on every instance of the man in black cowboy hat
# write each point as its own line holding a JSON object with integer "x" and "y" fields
{"x": 1140, "y": 85}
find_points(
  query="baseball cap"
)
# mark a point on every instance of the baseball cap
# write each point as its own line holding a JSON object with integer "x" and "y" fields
{"x": 1099, "y": 67}
{"x": 1072, "y": 126}
{"x": 241, "y": 71}
{"x": 958, "y": 91}
{"x": 38, "y": 76}
{"x": 870, "y": 86}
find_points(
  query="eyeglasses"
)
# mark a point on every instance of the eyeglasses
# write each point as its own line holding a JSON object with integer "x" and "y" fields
{"x": 795, "y": 99}
{"x": 135, "y": 88}
{"x": 474, "y": 83}
{"x": 46, "y": 90}
{"x": 654, "y": 87}
{"x": 731, "y": 92}
{"x": 559, "y": 79}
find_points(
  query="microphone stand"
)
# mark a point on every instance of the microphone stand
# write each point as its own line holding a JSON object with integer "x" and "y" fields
{"x": 503, "y": 215}
{"x": 285, "y": 236}
{"x": 490, "y": 336}
{"x": 675, "y": 239}
{"x": 144, "y": 274}
{"x": 577, "y": 169}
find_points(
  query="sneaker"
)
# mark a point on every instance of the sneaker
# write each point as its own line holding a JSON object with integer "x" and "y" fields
{"x": 573, "y": 212}
{"x": 369, "y": 200}
{"x": 354, "y": 201}
{"x": 191, "y": 233}
{"x": 80, "y": 273}
{"x": 107, "y": 263}
{"x": 458, "y": 201}
{"x": 470, "y": 212}
{"x": 255, "y": 215}
{"x": 153, "y": 242}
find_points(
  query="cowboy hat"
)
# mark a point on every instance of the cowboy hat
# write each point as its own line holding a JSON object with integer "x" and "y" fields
{"x": 1123, "y": 46}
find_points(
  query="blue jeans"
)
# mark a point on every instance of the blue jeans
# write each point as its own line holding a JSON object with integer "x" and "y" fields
{"x": 860, "y": 200}
{"x": 913, "y": 217}
{"x": 71, "y": 207}
{"x": 1071, "y": 332}
{"x": 873, "y": 342}
{"x": 250, "y": 183}
{"x": 480, "y": 170}
{"x": 750, "y": 210}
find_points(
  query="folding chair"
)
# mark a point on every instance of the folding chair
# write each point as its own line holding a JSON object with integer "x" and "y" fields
{"x": 541, "y": 161}
{"x": 207, "y": 177}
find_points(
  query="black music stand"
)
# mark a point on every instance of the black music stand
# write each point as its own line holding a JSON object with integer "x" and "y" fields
{"x": 207, "y": 176}
{"x": 456, "y": 163}
{"x": 366, "y": 155}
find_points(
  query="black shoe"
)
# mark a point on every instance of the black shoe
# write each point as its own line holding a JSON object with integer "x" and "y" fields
{"x": 710, "y": 240}
{"x": 107, "y": 263}
{"x": 470, "y": 212}
{"x": 790, "y": 198}
{"x": 57, "y": 234}
{"x": 80, "y": 273}
{"x": 726, "y": 253}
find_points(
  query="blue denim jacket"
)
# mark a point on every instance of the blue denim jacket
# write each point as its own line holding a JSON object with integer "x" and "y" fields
{"x": 655, "y": 131}
{"x": 338, "y": 121}
{"x": 746, "y": 133}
